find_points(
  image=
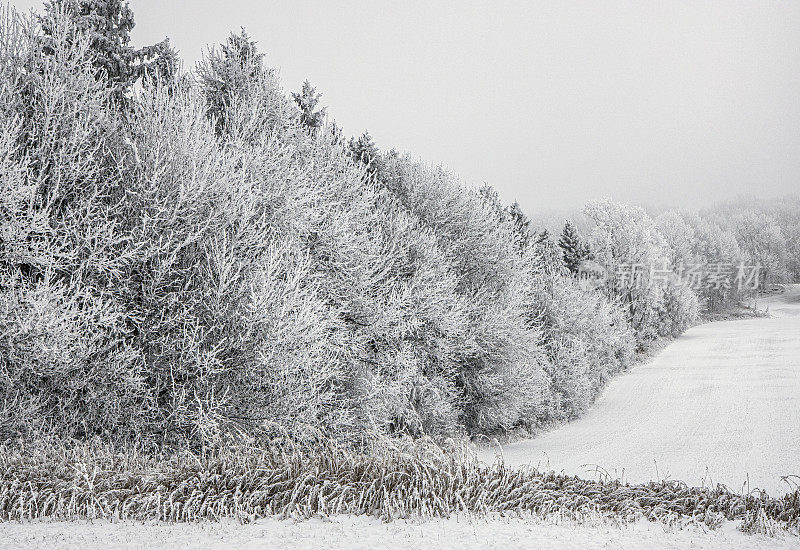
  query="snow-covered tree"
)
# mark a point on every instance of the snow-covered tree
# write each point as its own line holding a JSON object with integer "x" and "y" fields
{"x": 574, "y": 250}
{"x": 364, "y": 151}
{"x": 679, "y": 237}
{"x": 226, "y": 73}
{"x": 108, "y": 24}
{"x": 501, "y": 379}
{"x": 307, "y": 101}
{"x": 628, "y": 243}
{"x": 712, "y": 245}
{"x": 550, "y": 253}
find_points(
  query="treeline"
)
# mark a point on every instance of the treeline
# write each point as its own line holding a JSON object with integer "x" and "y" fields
{"x": 200, "y": 257}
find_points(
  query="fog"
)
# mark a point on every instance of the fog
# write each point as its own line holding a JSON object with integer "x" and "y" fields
{"x": 665, "y": 104}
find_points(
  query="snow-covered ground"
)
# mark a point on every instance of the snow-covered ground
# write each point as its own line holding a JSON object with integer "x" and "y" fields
{"x": 721, "y": 404}
{"x": 369, "y": 533}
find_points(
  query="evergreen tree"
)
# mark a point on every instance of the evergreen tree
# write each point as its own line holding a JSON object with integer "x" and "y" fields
{"x": 227, "y": 72}
{"x": 335, "y": 134}
{"x": 520, "y": 223}
{"x": 543, "y": 237}
{"x": 307, "y": 100}
{"x": 363, "y": 150}
{"x": 511, "y": 215}
{"x": 108, "y": 24}
{"x": 491, "y": 198}
{"x": 549, "y": 252}
{"x": 164, "y": 64}
{"x": 574, "y": 251}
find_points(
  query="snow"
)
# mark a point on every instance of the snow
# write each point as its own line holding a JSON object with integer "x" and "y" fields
{"x": 366, "y": 532}
{"x": 721, "y": 404}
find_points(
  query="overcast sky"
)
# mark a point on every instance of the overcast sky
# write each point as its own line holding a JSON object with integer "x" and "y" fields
{"x": 552, "y": 103}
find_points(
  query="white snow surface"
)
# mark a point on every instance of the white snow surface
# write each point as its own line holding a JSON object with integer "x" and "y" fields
{"x": 369, "y": 533}
{"x": 720, "y": 404}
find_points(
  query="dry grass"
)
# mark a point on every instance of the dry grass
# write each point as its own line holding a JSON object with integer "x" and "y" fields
{"x": 96, "y": 481}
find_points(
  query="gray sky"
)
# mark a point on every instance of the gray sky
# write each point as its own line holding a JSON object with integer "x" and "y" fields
{"x": 552, "y": 103}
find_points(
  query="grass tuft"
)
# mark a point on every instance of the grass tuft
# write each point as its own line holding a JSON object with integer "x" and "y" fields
{"x": 91, "y": 481}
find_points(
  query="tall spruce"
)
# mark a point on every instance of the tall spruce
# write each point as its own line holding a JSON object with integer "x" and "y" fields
{"x": 574, "y": 251}
{"x": 550, "y": 253}
{"x": 520, "y": 223}
{"x": 108, "y": 24}
{"x": 307, "y": 101}
{"x": 363, "y": 150}
{"x": 227, "y": 72}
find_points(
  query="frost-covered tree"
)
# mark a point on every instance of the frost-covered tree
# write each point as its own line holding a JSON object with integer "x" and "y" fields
{"x": 68, "y": 361}
{"x": 628, "y": 243}
{"x": 364, "y": 151}
{"x": 763, "y": 231}
{"x": 549, "y": 252}
{"x": 679, "y": 237}
{"x": 787, "y": 214}
{"x": 574, "y": 250}
{"x": 520, "y": 223}
{"x": 185, "y": 278}
{"x": 108, "y": 24}
{"x": 307, "y": 100}
{"x": 226, "y": 73}
{"x": 709, "y": 245}
{"x": 500, "y": 375}
{"x": 759, "y": 237}
{"x": 584, "y": 333}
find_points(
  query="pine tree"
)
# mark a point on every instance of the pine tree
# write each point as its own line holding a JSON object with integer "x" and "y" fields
{"x": 163, "y": 64}
{"x": 108, "y": 24}
{"x": 363, "y": 150}
{"x": 543, "y": 237}
{"x": 307, "y": 100}
{"x": 490, "y": 197}
{"x": 574, "y": 251}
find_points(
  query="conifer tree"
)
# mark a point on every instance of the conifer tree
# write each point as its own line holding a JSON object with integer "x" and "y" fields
{"x": 163, "y": 64}
{"x": 363, "y": 150}
{"x": 334, "y": 134}
{"x": 574, "y": 251}
{"x": 307, "y": 100}
{"x": 520, "y": 223}
{"x": 543, "y": 237}
{"x": 549, "y": 251}
{"x": 228, "y": 72}
{"x": 109, "y": 24}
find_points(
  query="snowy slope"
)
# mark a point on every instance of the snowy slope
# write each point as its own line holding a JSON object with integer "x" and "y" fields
{"x": 721, "y": 404}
